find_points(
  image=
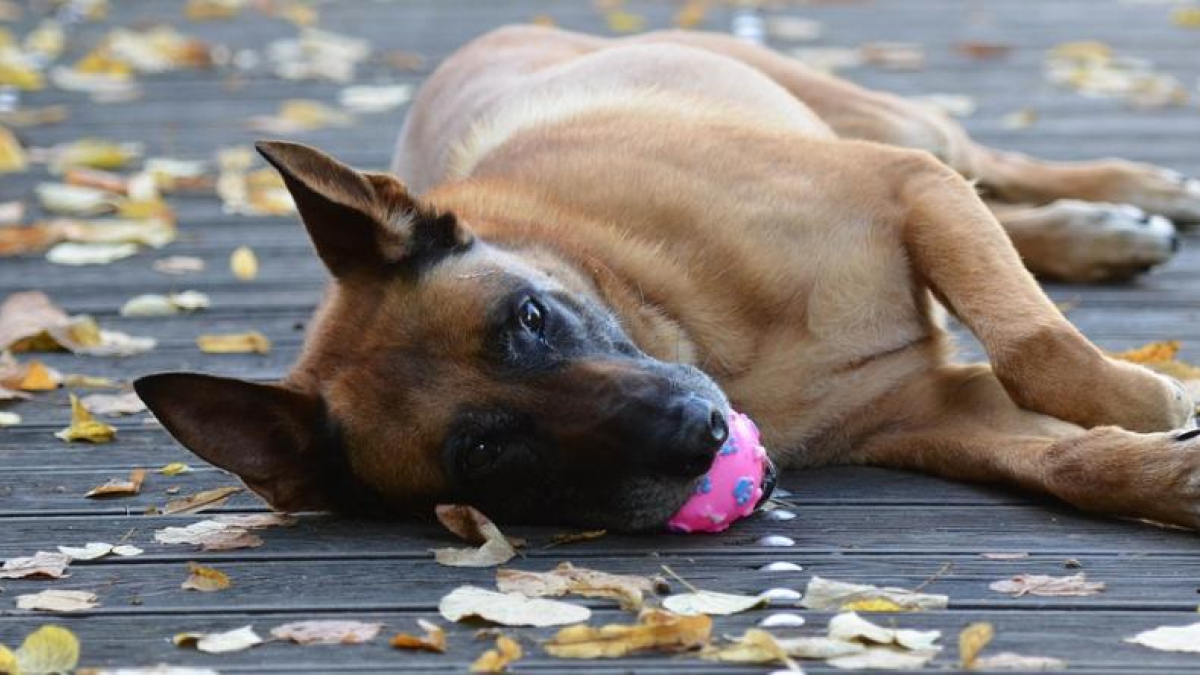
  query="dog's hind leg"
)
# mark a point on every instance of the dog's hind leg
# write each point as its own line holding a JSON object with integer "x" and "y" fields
{"x": 959, "y": 422}
{"x": 1087, "y": 242}
{"x": 957, "y": 247}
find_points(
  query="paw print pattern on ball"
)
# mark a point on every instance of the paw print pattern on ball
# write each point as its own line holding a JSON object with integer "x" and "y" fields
{"x": 733, "y": 485}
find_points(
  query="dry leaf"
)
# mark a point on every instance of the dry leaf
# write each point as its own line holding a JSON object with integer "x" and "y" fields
{"x": 90, "y": 551}
{"x": 971, "y": 641}
{"x": 91, "y": 153}
{"x": 978, "y": 50}
{"x": 84, "y": 427}
{"x": 575, "y": 537}
{"x": 220, "y": 643}
{"x": 434, "y": 639}
{"x": 883, "y": 658}
{"x": 656, "y": 629}
{"x": 1186, "y": 17}
{"x": 178, "y": 264}
{"x": 39, "y": 378}
{"x": 828, "y": 594}
{"x": 75, "y": 200}
{"x": 49, "y": 649}
{"x": 1160, "y": 357}
{"x": 30, "y": 322}
{"x": 755, "y": 646}
{"x": 152, "y": 304}
{"x": 12, "y": 155}
{"x": 209, "y": 10}
{"x": 371, "y": 99}
{"x": 496, "y": 660}
{"x": 620, "y": 21}
{"x": 818, "y": 647}
{"x": 201, "y": 501}
{"x": 711, "y": 603}
{"x": 1094, "y": 70}
{"x": 117, "y": 487}
{"x": 32, "y": 117}
{"x": 243, "y": 263}
{"x": 1047, "y": 586}
{"x": 58, "y": 601}
{"x": 318, "y": 55}
{"x": 1170, "y": 638}
{"x": 209, "y": 535}
{"x": 40, "y": 564}
{"x": 234, "y": 343}
{"x": 114, "y": 404}
{"x": 205, "y": 579}
{"x": 174, "y": 469}
{"x": 1011, "y": 661}
{"x": 255, "y": 521}
{"x": 298, "y": 115}
{"x": 475, "y": 528}
{"x": 872, "y": 605}
{"x": 73, "y": 254}
{"x": 327, "y": 632}
{"x": 8, "y": 419}
{"x": 509, "y": 609}
{"x": 627, "y": 589}
{"x": 850, "y": 627}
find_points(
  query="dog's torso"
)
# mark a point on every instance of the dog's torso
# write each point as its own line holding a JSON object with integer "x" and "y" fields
{"x": 718, "y": 216}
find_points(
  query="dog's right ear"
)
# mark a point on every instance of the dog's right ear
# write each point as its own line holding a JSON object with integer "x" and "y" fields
{"x": 270, "y": 436}
{"x": 360, "y": 221}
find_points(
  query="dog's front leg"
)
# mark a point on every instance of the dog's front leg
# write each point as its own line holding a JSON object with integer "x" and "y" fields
{"x": 959, "y": 422}
{"x": 957, "y": 247}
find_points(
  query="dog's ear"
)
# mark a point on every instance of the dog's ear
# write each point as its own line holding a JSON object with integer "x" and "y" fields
{"x": 360, "y": 221}
{"x": 272, "y": 437}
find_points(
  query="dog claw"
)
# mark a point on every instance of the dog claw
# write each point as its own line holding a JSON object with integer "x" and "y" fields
{"x": 1188, "y": 435}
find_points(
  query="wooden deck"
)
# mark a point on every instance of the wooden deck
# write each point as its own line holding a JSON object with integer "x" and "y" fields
{"x": 856, "y": 525}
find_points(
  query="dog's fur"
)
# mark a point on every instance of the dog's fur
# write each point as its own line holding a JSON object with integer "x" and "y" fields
{"x": 696, "y": 222}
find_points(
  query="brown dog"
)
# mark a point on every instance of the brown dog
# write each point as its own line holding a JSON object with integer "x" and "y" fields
{"x": 618, "y": 238}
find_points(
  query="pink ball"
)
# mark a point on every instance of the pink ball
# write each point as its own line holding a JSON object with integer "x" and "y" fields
{"x": 733, "y": 485}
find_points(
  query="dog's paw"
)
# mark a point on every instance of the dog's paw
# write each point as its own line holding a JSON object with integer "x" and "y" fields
{"x": 1161, "y": 191}
{"x": 1086, "y": 242}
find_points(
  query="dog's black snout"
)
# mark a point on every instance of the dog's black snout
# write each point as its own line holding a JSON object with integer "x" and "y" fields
{"x": 700, "y": 430}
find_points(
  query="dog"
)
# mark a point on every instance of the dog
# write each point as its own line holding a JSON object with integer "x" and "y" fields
{"x": 591, "y": 249}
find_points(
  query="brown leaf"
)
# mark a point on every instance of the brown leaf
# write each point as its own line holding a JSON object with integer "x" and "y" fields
{"x": 575, "y": 537}
{"x": 434, "y": 639}
{"x": 1048, "y": 586}
{"x": 40, "y": 564}
{"x": 117, "y": 487}
{"x": 475, "y": 528}
{"x": 656, "y": 629}
{"x": 30, "y": 322}
{"x": 55, "y": 600}
{"x": 84, "y": 427}
{"x": 209, "y": 535}
{"x": 201, "y": 501}
{"x": 981, "y": 51}
{"x": 627, "y": 589}
{"x": 496, "y": 660}
{"x": 205, "y": 579}
{"x": 327, "y": 632}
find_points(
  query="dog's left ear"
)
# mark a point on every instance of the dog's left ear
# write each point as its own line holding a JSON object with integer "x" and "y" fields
{"x": 271, "y": 436}
{"x": 360, "y": 222}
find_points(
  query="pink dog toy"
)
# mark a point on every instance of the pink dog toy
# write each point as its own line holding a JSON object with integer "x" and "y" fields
{"x": 733, "y": 485}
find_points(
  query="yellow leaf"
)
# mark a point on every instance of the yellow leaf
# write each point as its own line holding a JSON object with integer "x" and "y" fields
{"x": 201, "y": 501}
{"x": 496, "y": 660}
{"x": 655, "y": 629}
{"x": 872, "y": 605}
{"x": 205, "y": 579}
{"x": 434, "y": 639}
{"x": 49, "y": 649}
{"x": 12, "y": 155}
{"x": 1150, "y": 353}
{"x": 174, "y": 469}
{"x": 20, "y": 76}
{"x": 8, "y": 662}
{"x": 38, "y": 378}
{"x": 544, "y": 20}
{"x": 971, "y": 641}
{"x": 1186, "y": 17}
{"x": 621, "y": 21}
{"x": 234, "y": 343}
{"x": 209, "y": 10}
{"x": 243, "y": 263}
{"x": 691, "y": 14}
{"x": 84, "y": 427}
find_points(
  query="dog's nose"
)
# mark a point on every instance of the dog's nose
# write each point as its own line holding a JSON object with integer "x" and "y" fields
{"x": 701, "y": 431}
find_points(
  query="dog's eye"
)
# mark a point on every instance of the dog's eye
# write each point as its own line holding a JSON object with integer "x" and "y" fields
{"x": 532, "y": 316}
{"x": 480, "y": 455}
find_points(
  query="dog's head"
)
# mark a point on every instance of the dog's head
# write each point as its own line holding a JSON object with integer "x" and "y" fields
{"x": 442, "y": 367}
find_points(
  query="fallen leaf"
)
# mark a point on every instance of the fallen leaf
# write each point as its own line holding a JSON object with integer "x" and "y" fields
{"x": 40, "y": 564}
{"x": 210, "y": 10}
{"x": 1160, "y": 357}
{"x": 174, "y": 469}
{"x": 178, "y": 265}
{"x": 620, "y": 21}
{"x": 370, "y": 99}
{"x": 209, "y": 535}
{"x": 127, "y": 551}
{"x": 1186, "y": 17}
{"x": 84, "y": 427}
{"x": 114, "y": 404}
{"x": 220, "y": 643}
{"x": 49, "y": 649}
{"x": 1093, "y": 69}
{"x": 8, "y": 419}
{"x": 497, "y": 660}
{"x": 318, "y": 55}
{"x": 73, "y": 254}
{"x": 299, "y": 115}
{"x": 1011, "y": 661}
{"x": 75, "y": 200}
{"x": 883, "y": 658}
{"x": 117, "y": 487}
{"x": 39, "y": 378}
{"x": 981, "y": 51}
{"x": 655, "y": 629}
{"x": 711, "y": 603}
{"x": 893, "y": 55}
{"x": 475, "y": 528}
{"x": 850, "y": 627}
{"x": 90, "y": 551}
{"x": 1170, "y": 638}
{"x": 327, "y": 632}
{"x": 76, "y": 381}
{"x": 234, "y": 343}
{"x": 829, "y": 594}
{"x": 153, "y": 304}
{"x": 755, "y": 646}
{"x": 58, "y": 601}
{"x": 1047, "y": 586}
{"x": 205, "y": 579}
{"x": 434, "y": 639}
{"x": 255, "y": 521}
{"x": 243, "y": 263}
{"x": 575, "y": 537}
{"x": 201, "y": 501}
{"x": 509, "y": 609}
{"x": 872, "y": 605}
{"x": 30, "y": 322}
{"x": 12, "y": 155}
{"x": 627, "y": 589}
{"x": 92, "y": 153}
{"x": 818, "y": 647}
{"x": 794, "y": 29}
{"x": 971, "y": 641}
{"x": 32, "y": 117}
